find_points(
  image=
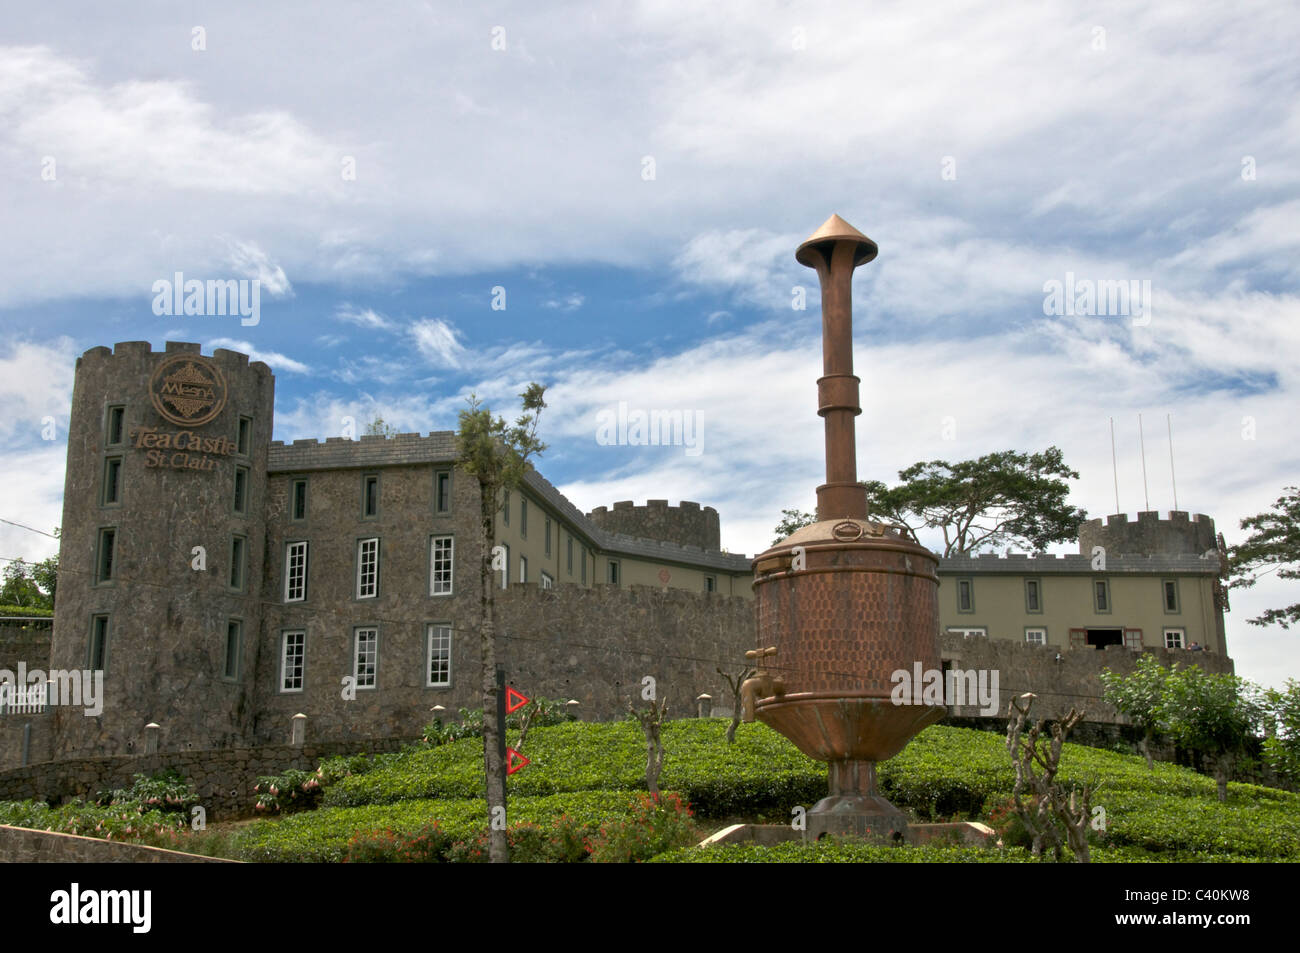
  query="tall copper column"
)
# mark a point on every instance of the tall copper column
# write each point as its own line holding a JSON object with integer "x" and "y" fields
{"x": 844, "y": 604}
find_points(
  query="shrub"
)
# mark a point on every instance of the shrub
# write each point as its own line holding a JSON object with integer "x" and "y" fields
{"x": 656, "y": 825}
{"x": 428, "y": 845}
{"x": 165, "y": 791}
{"x": 293, "y": 790}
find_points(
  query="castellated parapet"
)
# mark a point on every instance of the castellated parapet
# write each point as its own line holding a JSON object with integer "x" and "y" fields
{"x": 687, "y": 525}
{"x": 1150, "y": 535}
{"x": 173, "y": 490}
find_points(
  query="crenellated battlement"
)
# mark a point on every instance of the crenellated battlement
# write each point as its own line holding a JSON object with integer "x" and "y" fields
{"x": 687, "y": 524}
{"x": 1182, "y": 533}
{"x": 128, "y": 352}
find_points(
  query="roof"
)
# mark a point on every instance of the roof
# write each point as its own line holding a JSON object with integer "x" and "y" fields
{"x": 407, "y": 449}
{"x": 1074, "y": 564}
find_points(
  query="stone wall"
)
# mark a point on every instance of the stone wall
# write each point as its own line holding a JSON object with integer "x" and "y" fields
{"x": 688, "y": 524}
{"x": 223, "y": 778}
{"x": 18, "y": 845}
{"x": 1060, "y": 679}
{"x": 25, "y": 642}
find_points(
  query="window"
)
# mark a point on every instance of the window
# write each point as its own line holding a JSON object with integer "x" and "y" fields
{"x": 1174, "y": 638}
{"x": 105, "y": 555}
{"x": 523, "y": 519}
{"x": 293, "y": 654}
{"x": 1170, "y": 587}
{"x": 965, "y": 595}
{"x": 613, "y": 572}
{"x": 368, "y": 568}
{"x": 1101, "y": 595}
{"x": 231, "y": 670}
{"x": 241, "y": 490}
{"x": 97, "y": 650}
{"x": 244, "y": 436}
{"x": 548, "y": 536}
{"x": 1033, "y": 596}
{"x": 442, "y": 491}
{"x": 710, "y": 583}
{"x": 365, "y": 659}
{"x": 116, "y": 422}
{"x": 112, "y": 480}
{"x": 547, "y": 581}
{"x": 584, "y": 565}
{"x": 1036, "y": 636}
{"x": 523, "y": 568}
{"x": 438, "y": 668}
{"x": 370, "y": 496}
{"x": 237, "y": 548}
{"x": 440, "y": 566}
{"x": 568, "y": 555}
{"x": 978, "y": 632}
{"x": 295, "y": 572}
{"x": 298, "y": 500}
{"x": 505, "y": 568}
{"x": 505, "y": 510}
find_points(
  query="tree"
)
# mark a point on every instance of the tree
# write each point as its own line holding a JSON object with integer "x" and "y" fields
{"x": 1216, "y": 715}
{"x": 496, "y": 455}
{"x": 22, "y": 584}
{"x": 734, "y": 683}
{"x": 1001, "y": 499}
{"x": 1049, "y": 803}
{"x": 1274, "y": 542}
{"x": 1282, "y": 752}
{"x": 1138, "y": 696}
{"x": 792, "y": 520}
{"x": 378, "y": 427}
{"x": 652, "y": 721}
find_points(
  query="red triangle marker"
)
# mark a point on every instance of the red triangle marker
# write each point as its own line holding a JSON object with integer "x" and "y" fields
{"x": 511, "y": 766}
{"x": 512, "y": 705}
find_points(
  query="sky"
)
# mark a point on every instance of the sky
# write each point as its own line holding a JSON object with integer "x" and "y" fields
{"x": 444, "y": 199}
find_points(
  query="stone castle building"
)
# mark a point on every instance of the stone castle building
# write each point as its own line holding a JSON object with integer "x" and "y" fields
{"x": 224, "y": 582}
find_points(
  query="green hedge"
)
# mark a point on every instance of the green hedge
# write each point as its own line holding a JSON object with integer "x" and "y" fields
{"x": 25, "y": 610}
{"x": 322, "y": 835}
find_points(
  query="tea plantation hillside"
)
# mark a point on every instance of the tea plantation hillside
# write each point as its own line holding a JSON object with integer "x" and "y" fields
{"x": 579, "y": 797}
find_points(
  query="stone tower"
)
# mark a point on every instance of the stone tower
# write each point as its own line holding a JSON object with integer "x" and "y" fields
{"x": 162, "y": 547}
{"x": 1150, "y": 535}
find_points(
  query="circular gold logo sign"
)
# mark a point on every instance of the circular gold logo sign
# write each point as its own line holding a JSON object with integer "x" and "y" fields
{"x": 188, "y": 390}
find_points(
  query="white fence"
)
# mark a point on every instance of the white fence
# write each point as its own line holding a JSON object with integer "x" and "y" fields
{"x": 19, "y": 700}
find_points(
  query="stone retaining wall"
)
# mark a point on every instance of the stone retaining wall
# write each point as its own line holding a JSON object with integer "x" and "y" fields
{"x": 19, "y": 845}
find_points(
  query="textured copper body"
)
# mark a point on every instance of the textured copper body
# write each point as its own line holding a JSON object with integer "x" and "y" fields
{"x": 846, "y": 602}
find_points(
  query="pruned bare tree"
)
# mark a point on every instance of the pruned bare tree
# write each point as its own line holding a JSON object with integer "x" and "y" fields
{"x": 1040, "y": 801}
{"x": 651, "y": 721}
{"x": 734, "y": 683}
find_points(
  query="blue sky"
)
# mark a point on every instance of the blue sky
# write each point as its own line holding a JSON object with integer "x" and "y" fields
{"x": 636, "y": 178}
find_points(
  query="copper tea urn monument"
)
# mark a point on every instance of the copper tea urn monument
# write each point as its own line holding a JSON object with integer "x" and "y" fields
{"x": 844, "y": 603}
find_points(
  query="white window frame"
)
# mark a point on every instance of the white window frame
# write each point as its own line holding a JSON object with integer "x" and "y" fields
{"x": 505, "y": 573}
{"x": 365, "y": 652}
{"x": 547, "y": 581}
{"x": 289, "y": 588}
{"x": 523, "y": 568}
{"x": 439, "y": 586}
{"x": 368, "y": 575}
{"x": 299, "y": 642}
{"x": 970, "y": 631}
{"x": 1182, "y": 637}
{"x": 1036, "y": 630}
{"x": 439, "y": 633}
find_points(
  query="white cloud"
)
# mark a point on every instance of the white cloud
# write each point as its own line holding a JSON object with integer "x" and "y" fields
{"x": 569, "y": 302}
{"x": 438, "y": 341}
{"x": 363, "y": 317}
{"x": 275, "y": 360}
